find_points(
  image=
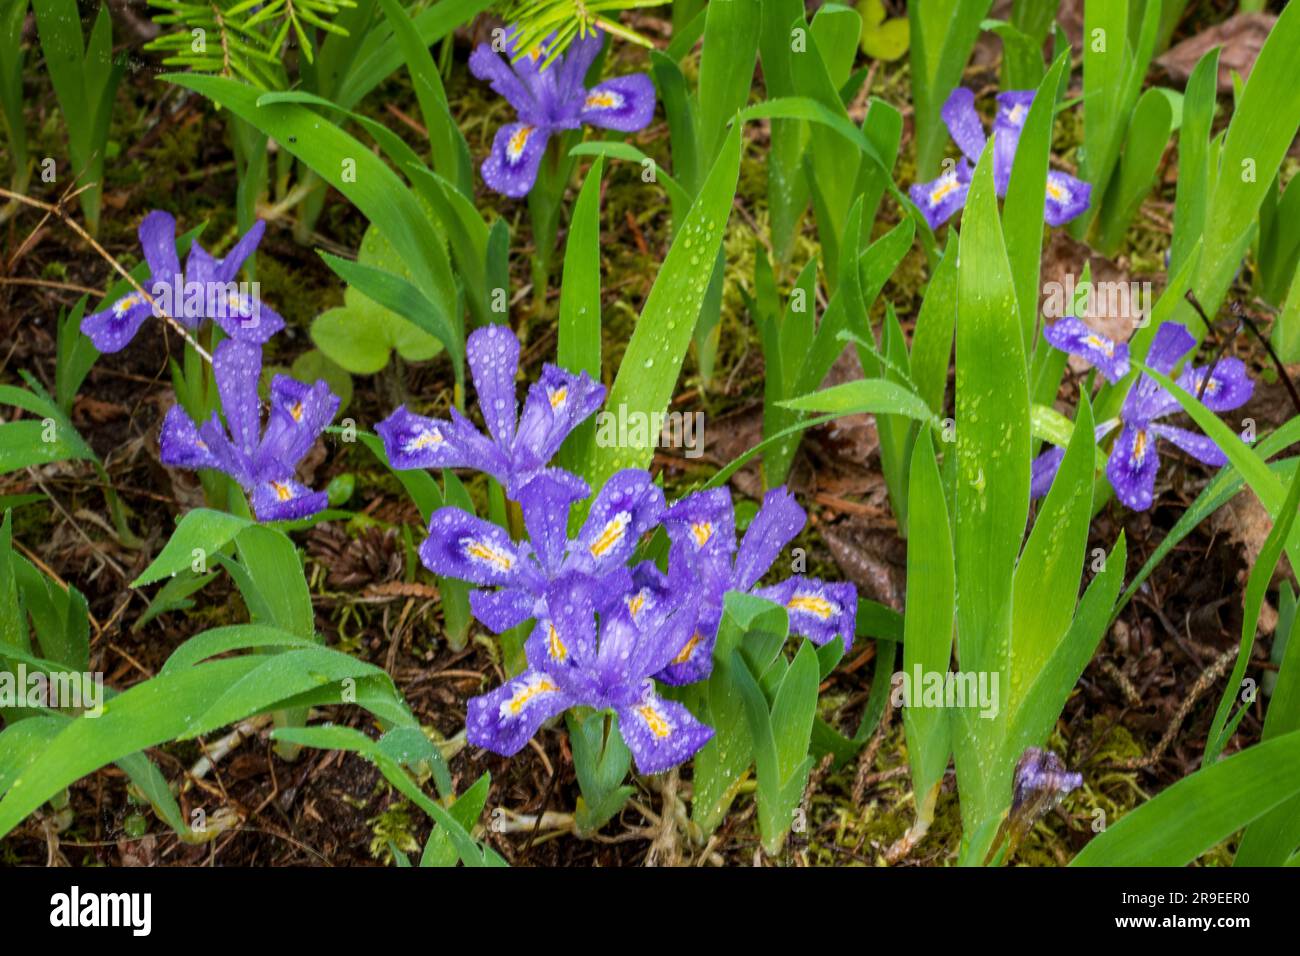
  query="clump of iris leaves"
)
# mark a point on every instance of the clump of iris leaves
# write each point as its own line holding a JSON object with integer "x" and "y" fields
{"x": 682, "y": 635}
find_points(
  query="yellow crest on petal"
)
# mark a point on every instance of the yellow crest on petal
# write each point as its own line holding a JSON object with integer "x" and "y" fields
{"x": 604, "y": 100}
{"x": 534, "y": 687}
{"x": 122, "y": 306}
{"x": 488, "y": 553}
{"x": 813, "y": 604}
{"x": 1139, "y": 447}
{"x": 518, "y": 140}
{"x": 949, "y": 185}
{"x": 655, "y": 720}
{"x": 611, "y": 534}
{"x": 555, "y": 648}
{"x": 688, "y": 649}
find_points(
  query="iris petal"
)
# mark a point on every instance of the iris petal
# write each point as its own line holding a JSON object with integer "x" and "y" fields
{"x": 180, "y": 444}
{"x": 1067, "y": 197}
{"x": 286, "y": 500}
{"x": 1071, "y": 335}
{"x": 471, "y": 549}
{"x": 1229, "y": 386}
{"x": 1132, "y": 467}
{"x": 112, "y": 329}
{"x": 493, "y": 354}
{"x": 661, "y": 733}
{"x": 1201, "y": 447}
{"x": 504, "y": 720}
{"x": 964, "y": 124}
{"x": 818, "y": 610}
{"x": 778, "y": 520}
{"x": 625, "y": 103}
{"x": 516, "y": 155}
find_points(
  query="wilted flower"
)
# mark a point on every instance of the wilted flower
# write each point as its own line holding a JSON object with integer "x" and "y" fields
{"x": 702, "y": 527}
{"x": 262, "y": 461}
{"x": 516, "y": 451}
{"x": 1041, "y": 782}
{"x": 1066, "y": 197}
{"x": 552, "y": 100}
{"x": 1133, "y": 463}
{"x": 205, "y": 290}
{"x": 571, "y": 662}
{"x": 471, "y": 549}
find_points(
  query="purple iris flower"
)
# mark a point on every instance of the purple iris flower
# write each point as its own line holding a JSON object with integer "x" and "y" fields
{"x": 261, "y": 460}
{"x": 521, "y": 575}
{"x": 938, "y": 199}
{"x": 572, "y": 662}
{"x": 1133, "y": 463}
{"x": 553, "y": 100}
{"x": 702, "y": 528}
{"x": 206, "y": 289}
{"x": 515, "y": 451}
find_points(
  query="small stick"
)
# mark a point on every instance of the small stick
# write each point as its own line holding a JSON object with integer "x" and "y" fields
{"x": 51, "y": 284}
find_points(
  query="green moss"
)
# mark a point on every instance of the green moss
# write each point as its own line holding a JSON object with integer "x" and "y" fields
{"x": 392, "y": 828}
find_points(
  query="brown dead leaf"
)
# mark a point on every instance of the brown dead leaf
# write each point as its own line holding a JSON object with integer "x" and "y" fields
{"x": 871, "y": 556}
{"x": 1247, "y": 524}
{"x": 1239, "y": 39}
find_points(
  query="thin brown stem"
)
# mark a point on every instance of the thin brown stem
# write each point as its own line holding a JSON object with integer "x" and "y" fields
{"x": 1243, "y": 317}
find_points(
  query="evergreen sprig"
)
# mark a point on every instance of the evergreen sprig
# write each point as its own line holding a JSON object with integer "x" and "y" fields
{"x": 243, "y": 38}
{"x": 535, "y": 20}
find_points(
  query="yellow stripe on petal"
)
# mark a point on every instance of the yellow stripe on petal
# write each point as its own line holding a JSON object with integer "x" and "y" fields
{"x": 702, "y": 531}
{"x": 487, "y": 553}
{"x": 535, "y": 687}
{"x": 949, "y": 185}
{"x": 518, "y": 140}
{"x": 636, "y": 603}
{"x": 1139, "y": 447}
{"x": 611, "y": 534}
{"x": 813, "y": 604}
{"x": 282, "y": 491}
{"x": 555, "y": 648}
{"x": 426, "y": 439}
{"x": 122, "y": 306}
{"x": 558, "y": 396}
{"x": 604, "y": 100}
{"x": 688, "y": 649}
{"x": 655, "y": 720}
{"x": 1097, "y": 342}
